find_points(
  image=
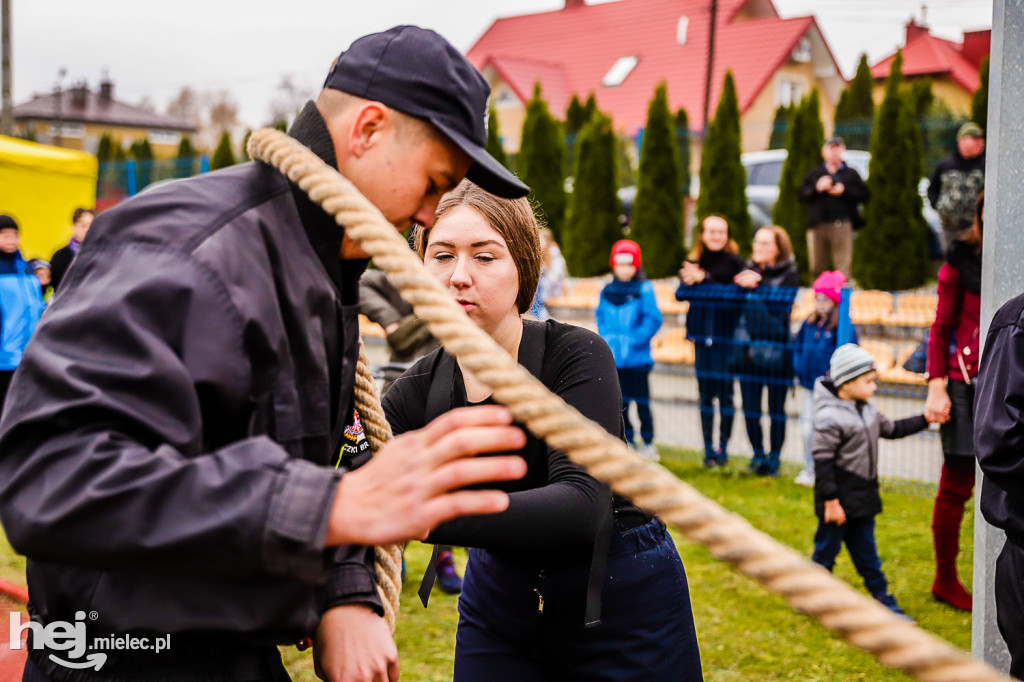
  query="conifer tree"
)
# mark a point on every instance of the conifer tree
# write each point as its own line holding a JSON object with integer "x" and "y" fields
{"x": 575, "y": 116}
{"x": 590, "y": 107}
{"x": 657, "y": 224}
{"x": 723, "y": 179}
{"x": 592, "y": 219}
{"x": 856, "y": 108}
{"x": 223, "y": 156}
{"x": 494, "y": 147}
{"x": 184, "y": 163}
{"x": 890, "y": 252}
{"x": 803, "y": 146}
{"x": 683, "y": 141}
{"x": 979, "y": 101}
{"x": 243, "y": 151}
{"x": 142, "y": 152}
{"x": 119, "y": 154}
{"x": 780, "y": 126}
{"x": 541, "y": 159}
{"x": 105, "y": 149}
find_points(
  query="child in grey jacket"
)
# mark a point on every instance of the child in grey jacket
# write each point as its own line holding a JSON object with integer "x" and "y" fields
{"x": 846, "y": 498}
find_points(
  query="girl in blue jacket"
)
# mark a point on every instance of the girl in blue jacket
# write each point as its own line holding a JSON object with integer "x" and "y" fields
{"x": 628, "y": 318}
{"x": 812, "y": 351}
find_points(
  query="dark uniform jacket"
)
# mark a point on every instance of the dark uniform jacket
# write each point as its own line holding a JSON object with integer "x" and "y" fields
{"x": 999, "y": 420}
{"x": 167, "y": 455}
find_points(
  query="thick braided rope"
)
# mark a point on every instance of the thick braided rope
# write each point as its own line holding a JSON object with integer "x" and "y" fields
{"x": 807, "y": 587}
{"x": 388, "y": 558}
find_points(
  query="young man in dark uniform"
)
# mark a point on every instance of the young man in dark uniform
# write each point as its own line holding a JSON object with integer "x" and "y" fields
{"x": 169, "y": 451}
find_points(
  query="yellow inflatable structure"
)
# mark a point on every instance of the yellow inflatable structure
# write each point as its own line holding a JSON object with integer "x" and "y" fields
{"x": 40, "y": 187}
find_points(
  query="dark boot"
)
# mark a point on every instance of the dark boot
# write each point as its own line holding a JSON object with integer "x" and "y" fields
{"x": 770, "y": 467}
{"x": 756, "y": 462}
{"x": 954, "y": 490}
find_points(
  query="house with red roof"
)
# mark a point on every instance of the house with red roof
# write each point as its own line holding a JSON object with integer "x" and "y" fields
{"x": 952, "y": 67}
{"x": 620, "y": 51}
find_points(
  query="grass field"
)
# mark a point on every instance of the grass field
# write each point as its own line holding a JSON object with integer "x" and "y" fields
{"x": 745, "y": 633}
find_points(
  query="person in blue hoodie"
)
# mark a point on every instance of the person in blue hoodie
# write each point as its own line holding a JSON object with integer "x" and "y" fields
{"x": 628, "y": 318}
{"x": 21, "y": 302}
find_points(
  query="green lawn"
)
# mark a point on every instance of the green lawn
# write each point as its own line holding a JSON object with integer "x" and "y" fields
{"x": 745, "y": 633}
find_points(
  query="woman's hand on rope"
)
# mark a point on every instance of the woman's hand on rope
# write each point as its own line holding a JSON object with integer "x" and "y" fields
{"x": 406, "y": 490}
{"x": 834, "y": 512}
{"x": 354, "y": 644}
{"x": 937, "y": 405}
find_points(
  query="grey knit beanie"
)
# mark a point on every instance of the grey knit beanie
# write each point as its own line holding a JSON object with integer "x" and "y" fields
{"x": 849, "y": 362}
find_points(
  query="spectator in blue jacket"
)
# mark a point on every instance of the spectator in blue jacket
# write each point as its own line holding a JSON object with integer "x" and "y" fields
{"x": 815, "y": 343}
{"x": 628, "y": 318}
{"x": 21, "y": 302}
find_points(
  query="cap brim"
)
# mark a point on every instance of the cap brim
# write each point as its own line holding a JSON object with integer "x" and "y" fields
{"x": 486, "y": 171}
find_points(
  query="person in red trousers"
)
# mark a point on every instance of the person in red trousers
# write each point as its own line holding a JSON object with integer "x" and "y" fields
{"x": 952, "y": 367}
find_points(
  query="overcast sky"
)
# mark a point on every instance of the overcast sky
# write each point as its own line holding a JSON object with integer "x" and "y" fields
{"x": 151, "y": 49}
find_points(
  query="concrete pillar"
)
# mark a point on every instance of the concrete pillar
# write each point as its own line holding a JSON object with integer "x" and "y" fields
{"x": 1002, "y": 274}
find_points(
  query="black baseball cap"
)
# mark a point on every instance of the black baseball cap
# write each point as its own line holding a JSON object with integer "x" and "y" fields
{"x": 419, "y": 73}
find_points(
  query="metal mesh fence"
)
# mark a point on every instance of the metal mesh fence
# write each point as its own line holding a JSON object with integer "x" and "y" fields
{"x": 117, "y": 180}
{"x": 741, "y": 347}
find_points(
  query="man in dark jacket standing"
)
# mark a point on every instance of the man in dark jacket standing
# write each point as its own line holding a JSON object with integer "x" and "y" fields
{"x": 998, "y": 443}
{"x": 832, "y": 192}
{"x": 957, "y": 181}
{"x": 170, "y": 458}
{"x": 81, "y": 220}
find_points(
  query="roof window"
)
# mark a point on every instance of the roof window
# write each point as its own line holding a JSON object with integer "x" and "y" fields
{"x": 619, "y": 71}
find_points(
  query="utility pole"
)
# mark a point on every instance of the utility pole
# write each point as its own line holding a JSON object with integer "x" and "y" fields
{"x": 6, "y": 106}
{"x": 711, "y": 63}
{"x": 58, "y": 124}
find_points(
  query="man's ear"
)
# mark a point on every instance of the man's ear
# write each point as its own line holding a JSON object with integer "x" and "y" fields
{"x": 371, "y": 120}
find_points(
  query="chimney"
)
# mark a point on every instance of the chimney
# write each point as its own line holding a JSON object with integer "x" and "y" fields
{"x": 106, "y": 90}
{"x": 79, "y": 95}
{"x": 575, "y": 3}
{"x": 977, "y": 45}
{"x": 914, "y": 30}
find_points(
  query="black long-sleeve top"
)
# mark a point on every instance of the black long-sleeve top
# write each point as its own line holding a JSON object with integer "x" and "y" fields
{"x": 557, "y": 507}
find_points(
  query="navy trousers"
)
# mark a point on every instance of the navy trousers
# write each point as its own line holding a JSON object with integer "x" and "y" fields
{"x": 751, "y": 390}
{"x": 646, "y": 632}
{"x": 859, "y": 536}
{"x": 714, "y": 381}
{"x": 636, "y": 388}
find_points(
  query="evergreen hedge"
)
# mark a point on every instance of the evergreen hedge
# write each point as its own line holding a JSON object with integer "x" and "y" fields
{"x": 979, "y": 101}
{"x": 803, "y": 145}
{"x": 657, "y": 224}
{"x": 541, "y": 159}
{"x": 105, "y": 150}
{"x": 723, "y": 179}
{"x": 223, "y": 156}
{"x": 780, "y": 125}
{"x": 856, "y": 108}
{"x": 494, "y": 147}
{"x": 592, "y": 219}
{"x": 683, "y": 141}
{"x": 890, "y": 252}
{"x": 184, "y": 162}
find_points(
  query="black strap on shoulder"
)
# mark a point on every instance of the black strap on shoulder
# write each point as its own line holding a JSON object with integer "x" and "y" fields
{"x": 440, "y": 399}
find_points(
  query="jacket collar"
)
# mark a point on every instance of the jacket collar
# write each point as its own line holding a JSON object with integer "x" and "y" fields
{"x": 323, "y": 232}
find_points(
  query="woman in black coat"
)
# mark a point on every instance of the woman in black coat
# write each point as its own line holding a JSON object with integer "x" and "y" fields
{"x": 765, "y": 355}
{"x": 706, "y": 281}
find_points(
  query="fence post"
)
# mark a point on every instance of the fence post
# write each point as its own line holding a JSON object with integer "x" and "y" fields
{"x": 129, "y": 177}
{"x": 845, "y": 333}
{"x": 1001, "y": 276}
{"x": 204, "y": 164}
